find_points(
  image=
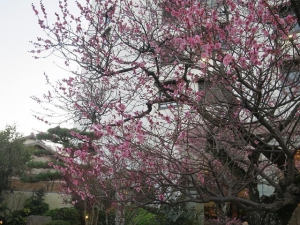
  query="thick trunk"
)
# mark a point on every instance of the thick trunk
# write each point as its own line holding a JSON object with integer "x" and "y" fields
{"x": 280, "y": 217}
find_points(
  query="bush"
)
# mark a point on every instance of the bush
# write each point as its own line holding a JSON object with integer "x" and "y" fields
{"x": 41, "y": 152}
{"x": 47, "y": 176}
{"x": 36, "y": 203}
{"x": 70, "y": 215}
{"x": 178, "y": 215}
{"x": 18, "y": 217}
{"x": 57, "y": 222}
{"x": 144, "y": 217}
{"x": 106, "y": 217}
{"x": 34, "y": 164}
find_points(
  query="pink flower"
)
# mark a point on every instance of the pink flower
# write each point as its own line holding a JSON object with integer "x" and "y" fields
{"x": 140, "y": 138}
{"x": 122, "y": 107}
{"x": 208, "y": 25}
{"x": 243, "y": 62}
{"x": 218, "y": 45}
{"x": 197, "y": 39}
{"x": 161, "y": 197}
{"x": 182, "y": 45}
{"x": 201, "y": 178}
{"x": 227, "y": 60}
{"x": 204, "y": 56}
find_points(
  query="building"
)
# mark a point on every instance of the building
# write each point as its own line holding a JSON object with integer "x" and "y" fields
{"x": 39, "y": 176}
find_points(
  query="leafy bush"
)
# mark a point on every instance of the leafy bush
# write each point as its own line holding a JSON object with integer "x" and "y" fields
{"x": 166, "y": 216}
{"x": 41, "y": 152}
{"x": 143, "y": 217}
{"x": 47, "y": 176}
{"x": 57, "y": 222}
{"x": 35, "y": 164}
{"x": 44, "y": 165}
{"x": 36, "y": 203}
{"x": 18, "y": 217}
{"x": 106, "y": 217}
{"x": 70, "y": 215}
{"x": 177, "y": 215}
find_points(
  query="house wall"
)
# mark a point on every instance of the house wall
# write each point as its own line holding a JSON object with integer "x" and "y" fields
{"x": 15, "y": 200}
{"x": 199, "y": 212}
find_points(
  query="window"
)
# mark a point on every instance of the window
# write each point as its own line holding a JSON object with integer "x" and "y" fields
{"x": 291, "y": 71}
{"x": 169, "y": 4}
{"x": 211, "y": 3}
{"x": 201, "y": 85}
{"x": 215, "y": 96}
{"x": 169, "y": 86}
{"x": 286, "y": 10}
{"x": 208, "y": 90}
{"x": 290, "y": 80}
{"x": 296, "y": 28}
{"x": 166, "y": 7}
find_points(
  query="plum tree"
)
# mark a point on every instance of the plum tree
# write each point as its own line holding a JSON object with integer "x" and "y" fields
{"x": 188, "y": 101}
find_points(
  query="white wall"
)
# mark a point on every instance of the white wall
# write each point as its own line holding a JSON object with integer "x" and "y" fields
{"x": 15, "y": 200}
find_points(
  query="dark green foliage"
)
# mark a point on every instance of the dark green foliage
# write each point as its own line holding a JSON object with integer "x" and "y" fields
{"x": 34, "y": 164}
{"x": 18, "y": 217}
{"x": 41, "y": 152}
{"x": 57, "y": 222}
{"x": 14, "y": 155}
{"x": 110, "y": 218}
{"x": 36, "y": 203}
{"x": 144, "y": 217}
{"x": 61, "y": 136}
{"x": 43, "y": 165}
{"x": 177, "y": 215}
{"x": 42, "y": 176}
{"x": 70, "y": 215}
{"x": 166, "y": 215}
{"x": 46, "y": 176}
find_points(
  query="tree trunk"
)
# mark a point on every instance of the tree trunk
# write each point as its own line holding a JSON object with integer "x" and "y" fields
{"x": 280, "y": 217}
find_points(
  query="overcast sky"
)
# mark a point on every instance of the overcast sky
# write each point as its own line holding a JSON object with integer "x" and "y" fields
{"x": 21, "y": 75}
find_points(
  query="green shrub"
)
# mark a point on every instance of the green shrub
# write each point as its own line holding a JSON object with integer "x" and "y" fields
{"x": 177, "y": 215}
{"x": 36, "y": 203}
{"x": 46, "y": 176}
{"x": 18, "y": 217}
{"x": 35, "y": 164}
{"x": 41, "y": 152}
{"x": 144, "y": 217}
{"x": 106, "y": 217}
{"x": 70, "y": 215}
{"x": 57, "y": 222}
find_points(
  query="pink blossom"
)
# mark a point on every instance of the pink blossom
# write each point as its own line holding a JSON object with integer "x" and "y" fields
{"x": 197, "y": 39}
{"x": 208, "y": 25}
{"x": 227, "y": 59}
{"x": 204, "y": 56}
{"x": 122, "y": 107}
{"x": 218, "y": 45}
{"x": 201, "y": 178}
{"x": 161, "y": 197}
{"x": 140, "y": 137}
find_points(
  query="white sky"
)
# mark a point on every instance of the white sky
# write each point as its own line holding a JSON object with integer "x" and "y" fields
{"x": 21, "y": 76}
